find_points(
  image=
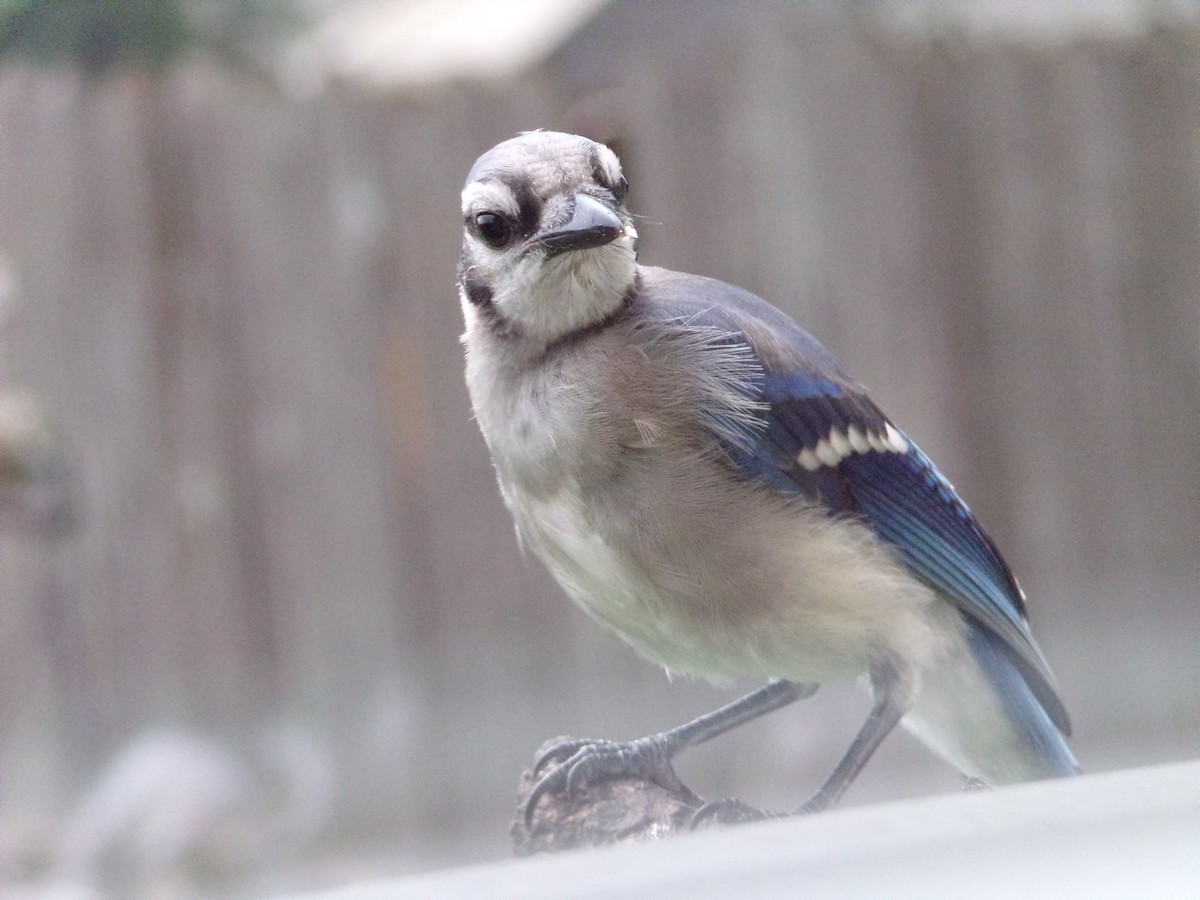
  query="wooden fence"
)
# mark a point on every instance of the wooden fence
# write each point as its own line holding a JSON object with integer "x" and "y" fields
{"x": 237, "y": 305}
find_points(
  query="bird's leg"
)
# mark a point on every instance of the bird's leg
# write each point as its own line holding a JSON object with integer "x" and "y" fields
{"x": 885, "y": 714}
{"x": 576, "y": 761}
{"x": 892, "y": 699}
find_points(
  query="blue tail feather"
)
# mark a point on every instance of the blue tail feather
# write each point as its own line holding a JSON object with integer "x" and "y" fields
{"x": 1042, "y": 738}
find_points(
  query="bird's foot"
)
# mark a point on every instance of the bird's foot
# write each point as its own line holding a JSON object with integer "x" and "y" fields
{"x": 818, "y": 802}
{"x": 730, "y": 811}
{"x": 574, "y": 762}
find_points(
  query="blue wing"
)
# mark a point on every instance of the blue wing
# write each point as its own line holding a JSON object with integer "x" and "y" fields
{"x": 823, "y": 437}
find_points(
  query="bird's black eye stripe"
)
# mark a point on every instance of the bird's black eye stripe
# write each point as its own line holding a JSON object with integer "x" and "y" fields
{"x": 620, "y": 189}
{"x": 494, "y": 228}
{"x": 529, "y": 206}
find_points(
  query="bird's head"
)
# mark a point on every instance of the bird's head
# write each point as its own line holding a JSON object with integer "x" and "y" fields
{"x": 548, "y": 246}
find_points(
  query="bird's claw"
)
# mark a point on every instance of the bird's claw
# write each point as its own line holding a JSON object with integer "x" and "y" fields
{"x": 730, "y": 811}
{"x": 576, "y": 762}
{"x": 560, "y": 751}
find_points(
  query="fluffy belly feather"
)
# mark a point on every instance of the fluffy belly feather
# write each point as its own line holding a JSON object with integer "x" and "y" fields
{"x": 728, "y": 592}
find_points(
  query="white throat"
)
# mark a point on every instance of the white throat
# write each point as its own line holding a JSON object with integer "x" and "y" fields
{"x": 545, "y": 299}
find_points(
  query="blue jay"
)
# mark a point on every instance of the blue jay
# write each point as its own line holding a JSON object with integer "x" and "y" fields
{"x": 703, "y": 479}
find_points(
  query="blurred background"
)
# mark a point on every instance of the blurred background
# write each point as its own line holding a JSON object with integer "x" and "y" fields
{"x": 264, "y": 624}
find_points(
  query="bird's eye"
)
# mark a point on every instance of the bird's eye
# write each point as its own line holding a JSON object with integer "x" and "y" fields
{"x": 621, "y": 189}
{"x": 493, "y": 228}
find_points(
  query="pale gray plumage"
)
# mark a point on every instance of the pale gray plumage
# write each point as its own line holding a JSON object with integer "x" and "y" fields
{"x": 652, "y": 433}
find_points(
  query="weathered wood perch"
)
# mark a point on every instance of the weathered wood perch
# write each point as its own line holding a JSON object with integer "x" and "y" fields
{"x": 619, "y": 809}
{"x": 611, "y": 809}
{"x": 614, "y": 809}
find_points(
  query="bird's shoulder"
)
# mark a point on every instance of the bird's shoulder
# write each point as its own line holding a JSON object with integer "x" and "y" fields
{"x": 780, "y": 343}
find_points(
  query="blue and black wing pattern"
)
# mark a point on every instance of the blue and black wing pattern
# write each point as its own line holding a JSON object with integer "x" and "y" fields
{"x": 833, "y": 444}
{"x": 821, "y": 436}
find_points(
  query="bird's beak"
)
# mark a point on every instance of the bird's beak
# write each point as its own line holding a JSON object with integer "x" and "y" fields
{"x": 592, "y": 224}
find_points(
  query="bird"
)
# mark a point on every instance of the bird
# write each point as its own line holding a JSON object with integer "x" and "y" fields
{"x": 703, "y": 478}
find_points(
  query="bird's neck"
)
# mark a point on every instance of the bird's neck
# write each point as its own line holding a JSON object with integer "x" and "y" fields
{"x": 514, "y": 322}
